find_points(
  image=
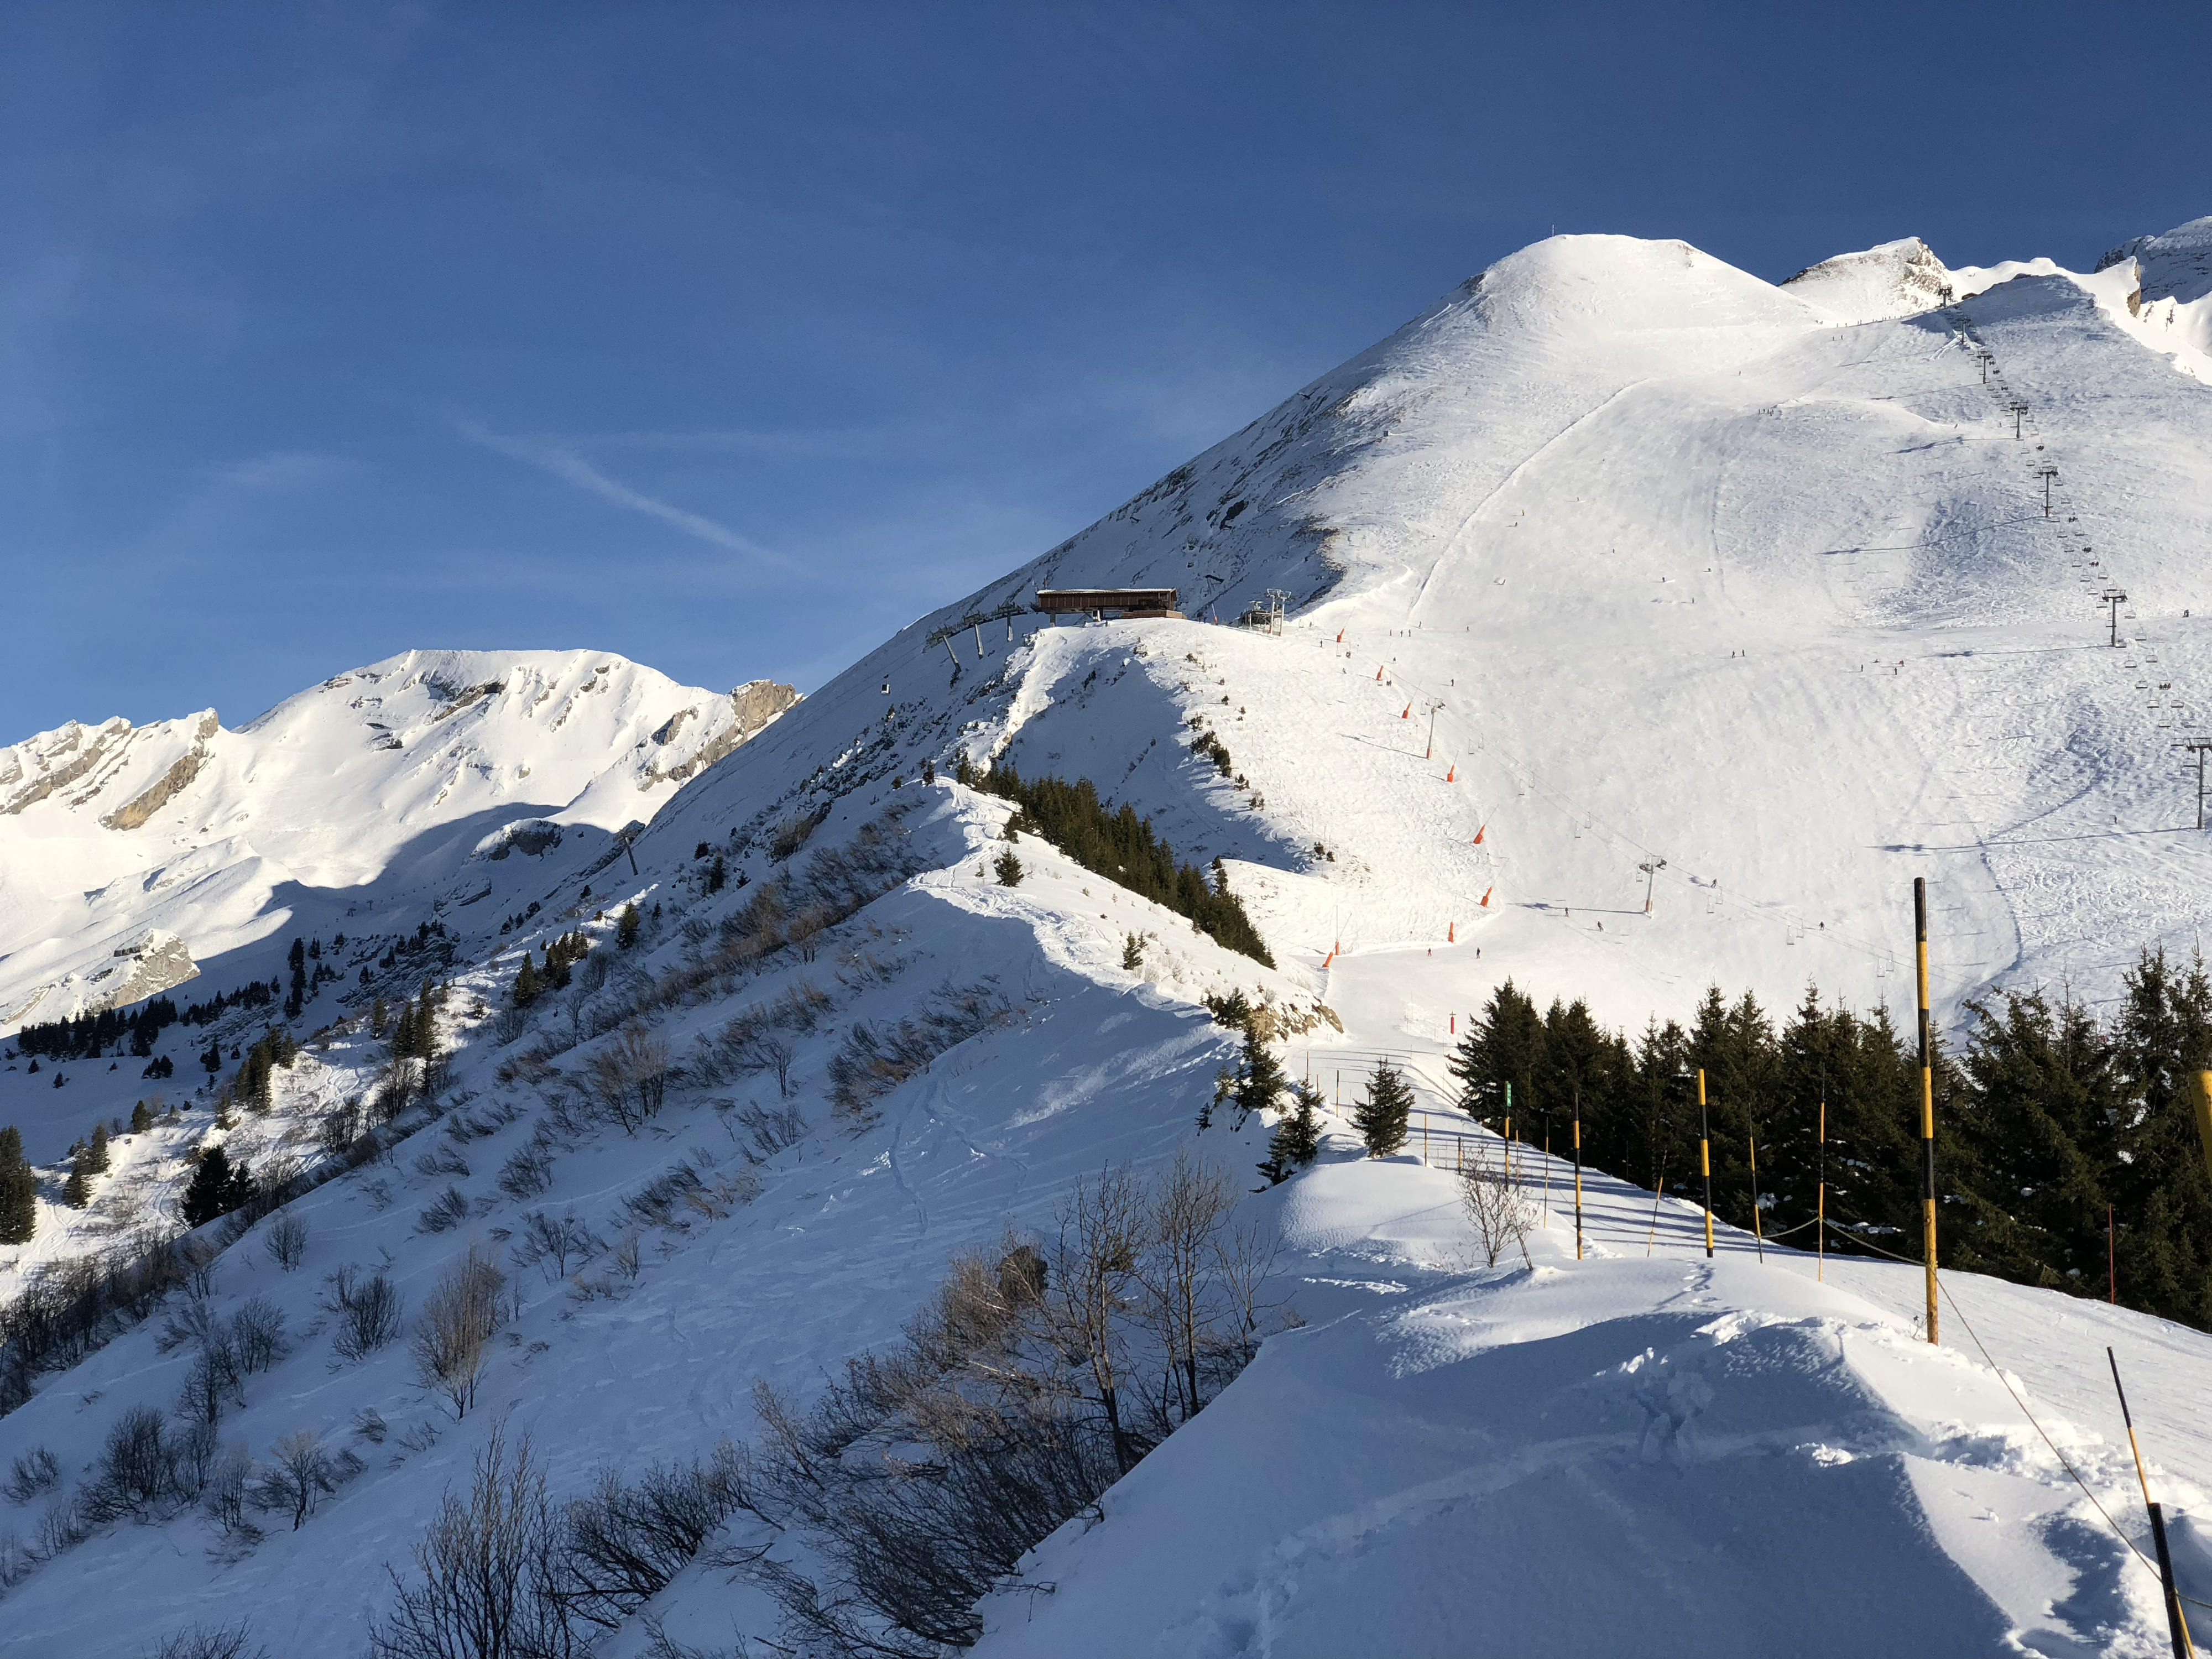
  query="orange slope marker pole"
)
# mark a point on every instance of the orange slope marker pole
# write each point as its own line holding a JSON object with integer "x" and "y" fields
{"x": 1480, "y": 833}
{"x": 1486, "y": 892}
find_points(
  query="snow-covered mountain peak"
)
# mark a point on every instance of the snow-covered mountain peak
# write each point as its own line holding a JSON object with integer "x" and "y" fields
{"x": 185, "y": 825}
{"x": 2175, "y": 265}
{"x": 1897, "y": 279}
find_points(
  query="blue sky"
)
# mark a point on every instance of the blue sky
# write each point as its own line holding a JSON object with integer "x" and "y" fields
{"x": 733, "y": 338}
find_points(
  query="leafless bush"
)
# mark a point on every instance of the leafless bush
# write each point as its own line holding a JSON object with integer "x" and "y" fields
{"x": 441, "y": 1160}
{"x": 453, "y": 1336}
{"x": 660, "y": 1201}
{"x": 1496, "y": 1209}
{"x": 768, "y": 1130}
{"x": 446, "y": 1212}
{"x": 628, "y": 1079}
{"x": 133, "y": 1472}
{"x": 621, "y": 1545}
{"x": 224, "y": 1496}
{"x": 554, "y": 1243}
{"x": 527, "y": 1173}
{"x": 752, "y": 1041}
{"x": 257, "y": 1334}
{"x": 1027, "y": 1386}
{"x": 876, "y": 1058}
{"x": 300, "y": 1469}
{"x": 369, "y": 1312}
{"x": 287, "y": 1240}
{"x": 215, "y": 1383}
{"x": 792, "y": 833}
{"x": 342, "y": 1126}
{"x": 486, "y": 1579}
{"x": 35, "y": 1471}
{"x": 479, "y": 1122}
{"x": 507, "y": 1024}
{"x": 209, "y": 1642}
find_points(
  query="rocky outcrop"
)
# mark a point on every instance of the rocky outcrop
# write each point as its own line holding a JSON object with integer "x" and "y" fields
{"x": 754, "y": 707}
{"x": 53, "y": 760}
{"x": 142, "y": 806}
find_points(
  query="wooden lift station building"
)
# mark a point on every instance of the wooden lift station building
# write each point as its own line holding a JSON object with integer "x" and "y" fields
{"x": 1096, "y": 601}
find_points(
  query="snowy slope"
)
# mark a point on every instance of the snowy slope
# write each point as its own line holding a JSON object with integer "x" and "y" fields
{"x": 1686, "y": 569}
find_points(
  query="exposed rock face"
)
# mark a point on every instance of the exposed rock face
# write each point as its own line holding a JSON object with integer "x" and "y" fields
{"x": 1897, "y": 279}
{"x": 753, "y": 707}
{"x": 136, "y": 811}
{"x": 53, "y": 760}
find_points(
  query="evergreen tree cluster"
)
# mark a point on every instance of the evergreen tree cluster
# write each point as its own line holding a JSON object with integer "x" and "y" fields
{"x": 94, "y": 1033}
{"x": 2049, "y": 1116}
{"x": 253, "y": 994}
{"x": 414, "y": 1034}
{"x": 254, "y": 1085}
{"x": 19, "y": 1190}
{"x": 1121, "y": 847}
{"x": 88, "y": 1158}
{"x": 216, "y": 1188}
{"x": 561, "y": 954}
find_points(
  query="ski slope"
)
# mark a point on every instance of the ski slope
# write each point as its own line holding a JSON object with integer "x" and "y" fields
{"x": 1749, "y": 584}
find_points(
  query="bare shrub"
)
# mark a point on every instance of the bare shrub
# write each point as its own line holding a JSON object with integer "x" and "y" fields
{"x": 628, "y": 1079}
{"x": 876, "y": 1058}
{"x": 452, "y": 1338}
{"x": 486, "y": 1579}
{"x": 445, "y": 1212}
{"x": 621, "y": 1545}
{"x": 210, "y": 1641}
{"x": 527, "y": 1173}
{"x": 300, "y": 1469}
{"x": 35, "y": 1471}
{"x": 224, "y": 1496}
{"x": 215, "y": 1380}
{"x": 133, "y": 1471}
{"x": 1499, "y": 1215}
{"x": 791, "y": 833}
{"x": 556, "y": 1244}
{"x": 768, "y": 1130}
{"x": 342, "y": 1126}
{"x": 1025, "y": 1388}
{"x": 257, "y": 1334}
{"x": 287, "y": 1240}
{"x": 441, "y": 1160}
{"x": 369, "y": 1312}
{"x": 670, "y": 1199}
{"x": 507, "y": 1024}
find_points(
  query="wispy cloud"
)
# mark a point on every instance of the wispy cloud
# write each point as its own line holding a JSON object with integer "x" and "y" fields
{"x": 282, "y": 469}
{"x": 566, "y": 465}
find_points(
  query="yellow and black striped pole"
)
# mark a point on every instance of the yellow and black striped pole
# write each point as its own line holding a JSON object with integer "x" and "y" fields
{"x": 1578, "y": 1176}
{"x": 1705, "y": 1161}
{"x": 1927, "y": 1101}
{"x": 2200, "y": 1095}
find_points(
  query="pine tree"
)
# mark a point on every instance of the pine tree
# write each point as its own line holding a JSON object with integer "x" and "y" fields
{"x": 402, "y": 1033}
{"x": 379, "y": 1014}
{"x": 1296, "y": 1142}
{"x": 1260, "y": 1078}
{"x": 1133, "y": 953}
{"x": 526, "y": 988}
{"x": 1505, "y": 1046}
{"x": 76, "y": 1191}
{"x": 718, "y": 875}
{"x": 1384, "y": 1116}
{"x": 141, "y": 1119}
{"x": 626, "y": 927}
{"x": 19, "y": 1190}
{"x": 1008, "y": 869}
{"x": 216, "y": 1188}
{"x": 96, "y": 1160}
